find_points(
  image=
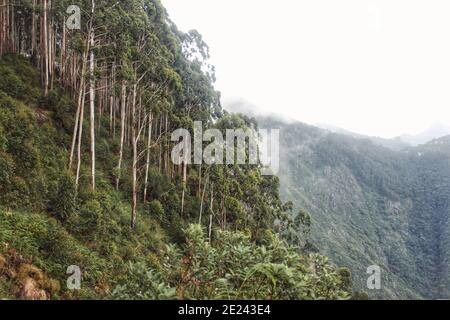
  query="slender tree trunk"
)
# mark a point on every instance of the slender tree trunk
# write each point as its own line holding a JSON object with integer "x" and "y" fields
{"x": 222, "y": 209}
{"x": 199, "y": 180}
{"x": 122, "y": 132}
{"x": 13, "y": 31}
{"x": 79, "y": 107}
{"x": 111, "y": 96}
{"x": 183, "y": 184}
{"x": 6, "y": 34}
{"x": 166, "y": 150}
{"x": 80, "y": 136}
{"x": 2, "y": 22}
{"x": 92, "y": 110}
{"x": 92, "y": 95}
{"x": 45, "y": 48}
{"x": 135, "y": 151}
{"x": 202, "y": 201}
{"x": 147, "y": 163}
{"x": 211, "y": 208}
{"x": 50, "y": 47}
{"x": 160, "y": 144}
{"x": 63, "y": 55}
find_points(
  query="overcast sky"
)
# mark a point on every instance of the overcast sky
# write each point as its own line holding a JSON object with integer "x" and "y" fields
{"x": 374, "y": 67}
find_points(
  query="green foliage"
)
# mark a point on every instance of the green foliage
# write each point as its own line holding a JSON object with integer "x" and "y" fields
{"x": 29, "y": 155}
{"x": 52, "y": 248}
{"x": 140, "y": 283}
{"x": 371, "y": 206}
{"x": 346, "y": 277}
{"x": 63, "y": 198}
{"x": 45, "y": 216}
{"x": 156, "y": 209}
{"x": 19, "y": 79}
{"x": 234, "y": 267}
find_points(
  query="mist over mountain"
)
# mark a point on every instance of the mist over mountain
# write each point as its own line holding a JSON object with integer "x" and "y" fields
{"x": 394, "y": 144}
{"x": 437, "y": 130}
{"x": 373, "y": 205}
{"x": 249, "y": 109}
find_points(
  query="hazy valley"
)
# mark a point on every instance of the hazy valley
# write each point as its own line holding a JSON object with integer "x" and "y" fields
{"x": 373, "y": 205}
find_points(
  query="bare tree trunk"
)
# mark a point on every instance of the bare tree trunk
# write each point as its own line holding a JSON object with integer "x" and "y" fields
{"x": 202, "y": 201}
{"x": 211, "y": 208}
{"x": 63, "y": 55}
{"x": 160, "y": 144}
{"x": 122, "y": 133}
{"x": 2, "y": 23}
{"x": 183, "y": 184}
{"x": 45, "y": 49}
{"x": 92, "y": 111}
{"x": 166, "y": 151}
{"x": 13, "y": 31}
{"x": 147, "y": 163}
{"x": 134, "y": 169}
{"x": 50, "y": 47}
{"x": 222, "y": 209}
{"x": 111, "y": 96}
{"x": 5, "y": 26}
{"x": 199, "y": 180}
{"x": 79, "y": 107}
{"x": 92, "y": 95}
{"x": 80, "y": 135}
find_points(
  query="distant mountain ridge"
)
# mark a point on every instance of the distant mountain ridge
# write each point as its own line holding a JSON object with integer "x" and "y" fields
{"x": 435, "y": 131}
{"x": 394, "y": 144}
{"x": 373, "y": 205}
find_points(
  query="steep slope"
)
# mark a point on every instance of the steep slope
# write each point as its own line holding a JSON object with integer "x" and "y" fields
{"x": 134, "y": 222}
{"x": 45, "y": 222}
{"x": 372, "y": 206}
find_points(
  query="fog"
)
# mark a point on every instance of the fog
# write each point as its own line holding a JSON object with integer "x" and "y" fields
{"x": 380, "y": 68}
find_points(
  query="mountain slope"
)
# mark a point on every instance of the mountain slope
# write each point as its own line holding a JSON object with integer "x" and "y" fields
{"x": 372, "y": 206}
{"x": 135, "y": 224}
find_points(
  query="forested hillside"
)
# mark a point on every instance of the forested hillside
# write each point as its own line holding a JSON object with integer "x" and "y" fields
{"x": 371, "y": 205}
{"x": 86, "y": 177}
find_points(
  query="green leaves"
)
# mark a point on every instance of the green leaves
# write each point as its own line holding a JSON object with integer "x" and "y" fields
{"x": 234, "y": 267}
{"x": 143, "y": 284}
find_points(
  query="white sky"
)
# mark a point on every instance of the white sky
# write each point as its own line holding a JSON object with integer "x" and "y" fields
{"x": 373, "y": 67}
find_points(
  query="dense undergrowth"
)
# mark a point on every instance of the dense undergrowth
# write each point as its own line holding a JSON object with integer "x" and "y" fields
{"x": 47, "y": 221}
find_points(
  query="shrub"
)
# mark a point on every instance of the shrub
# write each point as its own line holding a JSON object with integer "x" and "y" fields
{"x": 233, "y": 267}
{"x": 62, "y": 202}
{"x": 142, "y": 283}
{"x": 90, "y": 215}
{"x": 156, "y": 209}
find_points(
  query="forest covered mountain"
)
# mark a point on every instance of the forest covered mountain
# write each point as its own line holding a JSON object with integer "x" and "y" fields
{"x": 88, "y": 181}
{"x": 371, "y": 205}
{"x": 86, "y": 177}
